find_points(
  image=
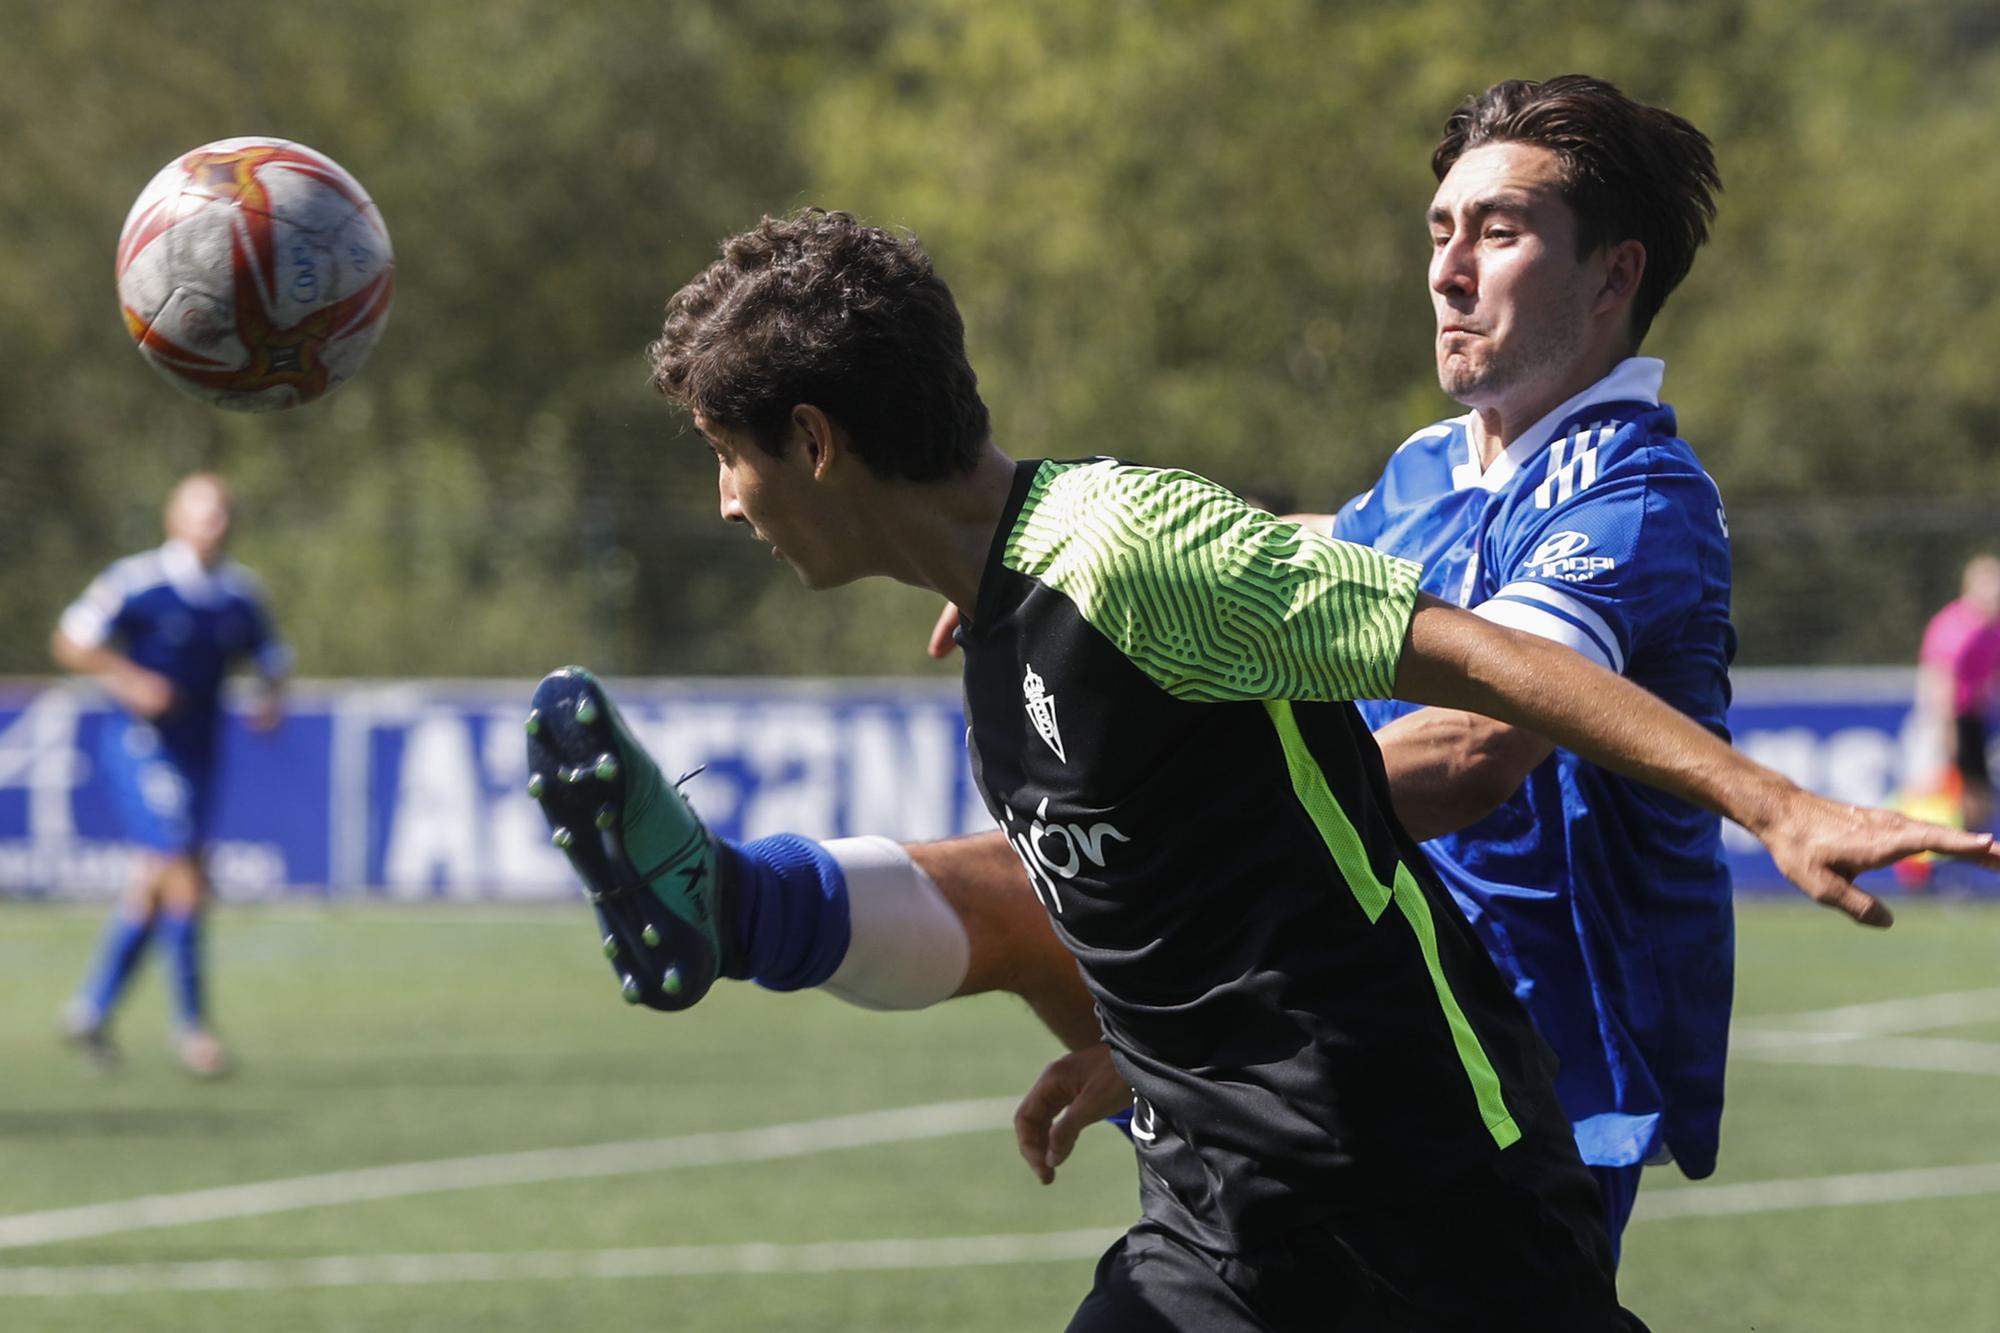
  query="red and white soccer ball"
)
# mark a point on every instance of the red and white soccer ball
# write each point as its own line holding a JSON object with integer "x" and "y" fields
{"x": 255, "y": 273}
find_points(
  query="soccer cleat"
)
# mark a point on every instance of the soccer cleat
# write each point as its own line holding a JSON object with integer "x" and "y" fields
{"x": 84, "y": 1029}
{"x": 200, "y": 1053}
{"x": 663, "y": 897}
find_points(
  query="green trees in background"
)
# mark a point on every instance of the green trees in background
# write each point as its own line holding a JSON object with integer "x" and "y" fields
{"x": 1181, "y": 233}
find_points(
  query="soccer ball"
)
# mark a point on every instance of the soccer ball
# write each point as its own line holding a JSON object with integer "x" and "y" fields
{"x": 255, "y": 273}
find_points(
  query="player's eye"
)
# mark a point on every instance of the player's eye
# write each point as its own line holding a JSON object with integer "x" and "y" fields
{"x": 1501, "y": 233}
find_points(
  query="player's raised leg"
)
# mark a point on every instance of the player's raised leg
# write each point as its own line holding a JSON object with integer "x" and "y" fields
{"x": 681, "y": 907}
{"x": 872, "y": 922}
{"x": 1009, "y": 944}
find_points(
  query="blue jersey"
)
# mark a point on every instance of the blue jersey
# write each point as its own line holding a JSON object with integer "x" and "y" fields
{"x": 1606, "y": 902}
{"x": 167, "y": 613}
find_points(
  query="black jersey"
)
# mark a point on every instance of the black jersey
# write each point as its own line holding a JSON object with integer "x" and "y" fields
{"x": 1156, "y": 677}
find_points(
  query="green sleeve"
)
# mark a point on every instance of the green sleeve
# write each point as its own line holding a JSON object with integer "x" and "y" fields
{"x": 1212, "y": 598}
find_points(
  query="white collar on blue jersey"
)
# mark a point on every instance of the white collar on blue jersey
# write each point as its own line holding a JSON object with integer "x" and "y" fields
{"x": 1636, "y": 379}
{"x": 198, "y": 586}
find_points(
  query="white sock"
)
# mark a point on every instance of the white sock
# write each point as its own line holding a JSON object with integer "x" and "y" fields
{"x": 907, "y": 949}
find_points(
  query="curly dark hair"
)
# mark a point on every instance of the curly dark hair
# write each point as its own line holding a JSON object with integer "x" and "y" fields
{"x": 819, "y": 308}
{"x": 1630, "y": 171}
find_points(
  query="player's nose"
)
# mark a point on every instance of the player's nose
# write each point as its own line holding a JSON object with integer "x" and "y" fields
{"x": 728, "y": 502}
{"x": 1452, "y": 269}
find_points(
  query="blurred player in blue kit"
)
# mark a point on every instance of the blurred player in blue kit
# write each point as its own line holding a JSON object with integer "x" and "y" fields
{"x": 160, "y": 631}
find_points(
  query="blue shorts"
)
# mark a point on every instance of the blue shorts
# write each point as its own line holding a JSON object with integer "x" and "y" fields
{"x": 161, "y": 797}
{"x": 1618, "y": 1187}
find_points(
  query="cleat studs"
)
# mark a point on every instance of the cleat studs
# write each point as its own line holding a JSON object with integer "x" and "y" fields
{"x": 631, "y": 991}
{"x": 607, "y": 768}
{"x": 607, "y": 816}
{"x": 562, "y": 837}
{"x": 671, "y": 982}
{"x": 535, "y": 786}
{"x": 611, "y": 946}
{"x": 573, "y": 775}
{"x": 586, "y": 710}
{"x": 534, "y": 722}
{"x": 651, "y": 937}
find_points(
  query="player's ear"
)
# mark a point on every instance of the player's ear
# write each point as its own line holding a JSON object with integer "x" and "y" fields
{"x": 1624, "y": 267}
{"x": 819, "y": 439}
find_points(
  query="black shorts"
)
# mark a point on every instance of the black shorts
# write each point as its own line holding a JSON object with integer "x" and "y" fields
{"x": 1970, "y": 729}
{"x": 1512, "y": 1247}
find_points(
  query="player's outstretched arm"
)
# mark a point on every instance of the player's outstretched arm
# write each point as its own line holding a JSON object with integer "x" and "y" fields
{"x": 1455, "y": 659}
{"x": 1447, "y": 768}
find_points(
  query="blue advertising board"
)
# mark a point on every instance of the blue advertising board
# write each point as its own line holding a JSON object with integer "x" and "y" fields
{"x": 414, "y": 789}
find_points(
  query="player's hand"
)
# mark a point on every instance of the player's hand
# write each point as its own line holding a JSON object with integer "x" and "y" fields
{"x": 1821, "y": 845}
{"x": 941, "y": 640}
{"x": 1078, "y": 1090}
{"x": 147, "y": 693}
{"x": 266, "y": 713}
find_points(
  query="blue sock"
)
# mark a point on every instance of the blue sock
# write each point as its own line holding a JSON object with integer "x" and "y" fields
{"x": 119, "y": 950}
{"x": 180, "y": 935}
{"x": 791, "y": 911}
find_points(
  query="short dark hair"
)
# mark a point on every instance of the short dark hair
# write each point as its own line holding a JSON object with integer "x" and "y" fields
{"x": 819, "y": 308}
{"x": 1630, "y": 171}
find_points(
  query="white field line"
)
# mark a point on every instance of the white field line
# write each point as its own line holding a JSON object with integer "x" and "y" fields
{"x": 1888, "y": 1018}
{"x": 1871, "y": 1035}
{"x": 545, "y": 1265}
{"x": 1769, "y": 1196}
{"x": 1942, "y": 1055}
{"x": 872, "y": 1255}
{"x": 1832, "y": 1036}
{"x": 770, "y": 1142}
